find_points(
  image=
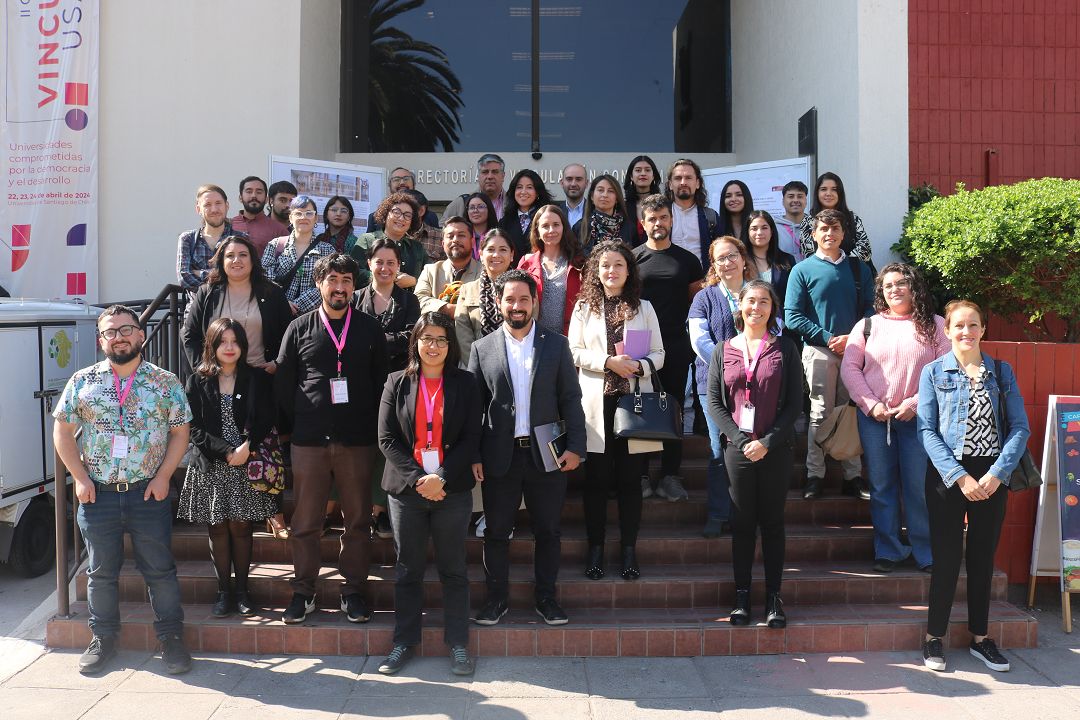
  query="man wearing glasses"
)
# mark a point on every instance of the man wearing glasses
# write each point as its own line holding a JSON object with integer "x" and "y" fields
{"x": 490, "y": 176}
{"x": 133, "y": 418}
{"x": 401, "y": 180}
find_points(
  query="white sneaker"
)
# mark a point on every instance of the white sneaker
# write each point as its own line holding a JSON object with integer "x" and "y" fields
{"x": 481, "y": 526}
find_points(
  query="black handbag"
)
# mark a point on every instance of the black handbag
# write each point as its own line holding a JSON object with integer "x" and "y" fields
{"x": 1025, "y": 475}
{"x": 648, "y": 415}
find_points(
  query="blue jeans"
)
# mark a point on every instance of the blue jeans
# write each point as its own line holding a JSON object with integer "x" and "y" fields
{"x": 149, "y": 522}
{"x": 897, "y": 477}
{"x": 716, "y": 476}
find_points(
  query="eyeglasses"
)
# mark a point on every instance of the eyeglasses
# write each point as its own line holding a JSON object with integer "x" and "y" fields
{"x": 898, "y": 285}
{"x": 122, "y": 331}
{"x": 439, "y": 342}
{"x": 725, "y": 259}
{"x": 309, "y": 214}
{"x": 398, "y": 179}
{"x": 400, "y": 214}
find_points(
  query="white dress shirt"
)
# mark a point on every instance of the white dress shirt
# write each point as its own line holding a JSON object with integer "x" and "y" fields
{"x": 574, "y": 213}
{"x": 685, "y": 231}
{"x": 519, "y": 357}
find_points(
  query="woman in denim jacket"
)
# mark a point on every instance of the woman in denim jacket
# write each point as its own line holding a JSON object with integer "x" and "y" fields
{"x": 972, "y": 456}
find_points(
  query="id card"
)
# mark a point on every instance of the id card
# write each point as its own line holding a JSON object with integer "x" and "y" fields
{"x": 119, "y": 446}
{"x": 746, "y": 418}
{"x": 430, "y": 460}
{"x": 339, "y": 390}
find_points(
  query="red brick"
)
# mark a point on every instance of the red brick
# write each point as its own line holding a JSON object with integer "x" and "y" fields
{"x": 687, "y": 643}
{"x": 660, "y": 643}
{"x": 799, "y": 638}
{"x": 577, "y": 642}
{"x": 354, "y": 642}
{"x": 744, "y": 641}
{"x": 521, "y": 643}
{"x": 605, "y": 643}
{"x": 853, "y": 638}
{"x": 632, "y": 643}
{"x": 550, "y": 642}
{"x": 242, "y": 640}
{"x": 879, "y": 638}
{"x": 630, "y": 594}
{"x": 492, "y": 642}
{"x": 58, "y": 634}
{"x": 770, "y": 642}
{"x": 81, "y": 636}
{"x": 379, "y": 641}
{"x": 297, "y": 640}
{"x": 826, "y": 638}
{"x": 1014, "y": 635}
{"x": 270, "y": 640}
{"x": 215, "y": 638}
{"x": 431, "y": 642}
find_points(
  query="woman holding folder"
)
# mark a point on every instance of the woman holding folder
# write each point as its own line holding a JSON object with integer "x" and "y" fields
{"x": 608, "y": 312}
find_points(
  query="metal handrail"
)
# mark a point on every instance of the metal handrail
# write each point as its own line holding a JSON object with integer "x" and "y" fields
{"x": 64, "y": 574}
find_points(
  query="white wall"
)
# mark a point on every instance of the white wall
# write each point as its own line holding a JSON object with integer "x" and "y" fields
{"x": 849, "y": 59}
{"x": 194, "y": 92}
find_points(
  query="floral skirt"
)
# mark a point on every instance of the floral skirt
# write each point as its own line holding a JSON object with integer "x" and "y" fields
{"x": 222, "y": 494}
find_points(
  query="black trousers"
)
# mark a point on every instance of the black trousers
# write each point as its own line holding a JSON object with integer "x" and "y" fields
{"x": 544, "y": 494}
{"x": 947, "y": 508}
{"x": 758, "y": 494}
{"x": 673, "y": 375}
{"x": 446, "y": 522}
{"x": 615, "y": 467}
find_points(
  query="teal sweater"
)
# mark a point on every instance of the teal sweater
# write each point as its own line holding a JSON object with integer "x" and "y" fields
{"x": 820, "y": 301}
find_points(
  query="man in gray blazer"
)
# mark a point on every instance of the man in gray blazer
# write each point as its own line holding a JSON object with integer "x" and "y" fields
{"x": 526, "y": 378}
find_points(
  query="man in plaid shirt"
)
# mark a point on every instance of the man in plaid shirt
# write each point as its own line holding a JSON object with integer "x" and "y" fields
{"x": 196, "y": 247}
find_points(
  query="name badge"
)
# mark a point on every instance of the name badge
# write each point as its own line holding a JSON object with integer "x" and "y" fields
{"x": 339, "y": 390}
{"x": 119, "y": 446}
{"x": 746, "y": 418}
{"x": 430, "y": 460}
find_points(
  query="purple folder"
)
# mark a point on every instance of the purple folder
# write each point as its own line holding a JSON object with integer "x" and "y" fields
{"x": 636, "y": 343}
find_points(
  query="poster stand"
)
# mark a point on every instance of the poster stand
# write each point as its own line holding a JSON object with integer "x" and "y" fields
{"x": 1047, "y": 552}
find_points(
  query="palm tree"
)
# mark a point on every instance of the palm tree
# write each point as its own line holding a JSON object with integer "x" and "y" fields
{"x": 413, "y": 95}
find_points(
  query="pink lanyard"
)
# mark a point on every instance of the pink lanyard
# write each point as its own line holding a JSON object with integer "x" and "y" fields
{"x": 339, "y": 344}
{"x": 751, "y": 366}
{"x": 122, "y": 395}
{"x": 429, "y": 405}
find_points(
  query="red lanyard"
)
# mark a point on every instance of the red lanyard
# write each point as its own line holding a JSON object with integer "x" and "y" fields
{"x": 748, "y": 366}
{"x": 122, "y": 395}
{"x": 339, "y": 343}
{"x": 429, "y": 405}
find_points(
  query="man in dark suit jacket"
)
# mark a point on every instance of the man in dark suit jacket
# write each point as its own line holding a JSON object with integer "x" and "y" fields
{"x": 507, "y": 364}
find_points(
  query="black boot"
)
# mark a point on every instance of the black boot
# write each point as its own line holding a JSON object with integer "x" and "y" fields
{"x": 244, "y": 606}
{"x": 740, "y": 614}
{"x": 223, "y": 605}
{"x": 630, "y": 569}
{"x": 594, "y": 564}
{"x": 774, "y": 609}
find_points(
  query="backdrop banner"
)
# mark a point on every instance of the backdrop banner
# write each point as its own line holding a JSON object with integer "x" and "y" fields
{"x": 48, "y": 221}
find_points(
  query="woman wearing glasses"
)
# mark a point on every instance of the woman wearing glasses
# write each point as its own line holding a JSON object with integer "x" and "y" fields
{"x": 429, "y": 431}
{"x": 289, "y": 261}
{"x": 400, "y": 217}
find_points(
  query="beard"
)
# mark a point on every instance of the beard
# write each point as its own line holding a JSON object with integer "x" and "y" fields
{"x": 254, "y": 207}
{"x": 684, "y": 193}
{"x": 122, "y": 358}
{"x": 660, "y": 233}
{"x": 283, "y": 216}
{"x": 338, "y": 302}
{"x": 459, "y": 253}
{"x": 517, "y": 322}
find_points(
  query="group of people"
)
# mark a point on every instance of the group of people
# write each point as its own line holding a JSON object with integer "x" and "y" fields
{"x": 427, "y": 383}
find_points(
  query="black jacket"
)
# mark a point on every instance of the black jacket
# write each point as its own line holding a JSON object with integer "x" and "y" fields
{"x": 460, "y": 432}
{"x": 406, "y": 313}
{"x": 627, "y": 233}
{"x": 252, "y": 401}
{"x": 273, "y": 307}
{"x": 518, "y": 240}
{"x": 306, "y": 363}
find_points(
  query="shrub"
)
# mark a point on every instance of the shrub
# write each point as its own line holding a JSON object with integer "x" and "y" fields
{"x": 1010, "y": 248}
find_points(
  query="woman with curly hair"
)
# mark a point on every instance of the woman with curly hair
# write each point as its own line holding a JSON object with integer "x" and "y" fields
{"x": 525, "y": 196}
{"x": 610, "y": 304}
{"x": 881, "y": 367}
{"x": 399, "y": 214}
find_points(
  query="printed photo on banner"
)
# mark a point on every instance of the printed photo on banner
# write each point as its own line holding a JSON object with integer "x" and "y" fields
{"x": 364, "y": 186}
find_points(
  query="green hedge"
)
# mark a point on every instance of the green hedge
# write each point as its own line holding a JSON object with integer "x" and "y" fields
{"x": 1010, "y": 248}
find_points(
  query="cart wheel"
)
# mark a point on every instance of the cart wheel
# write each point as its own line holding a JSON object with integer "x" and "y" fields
{"x": 33, "y": 545}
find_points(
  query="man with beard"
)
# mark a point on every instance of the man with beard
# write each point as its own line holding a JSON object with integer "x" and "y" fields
{"x": 281, "y": 193}
{"x": 253, "y": 220}
{"x": 694, "y": 225}
{"x": 196, "y": 247}
{"x": 458, "y": 269}
{"x": 401, "y": 180}
{"x": 670, "y": 277}
{"x": 574, "y": 181}
{"x": 331, "y": 370}
{"x": 526, "y": 379}
{"x": 134, "y": 420}
{"x": 490, "y": 175}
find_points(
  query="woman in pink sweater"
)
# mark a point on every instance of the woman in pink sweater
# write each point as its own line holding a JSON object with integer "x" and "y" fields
{"x": 884, "y": 357}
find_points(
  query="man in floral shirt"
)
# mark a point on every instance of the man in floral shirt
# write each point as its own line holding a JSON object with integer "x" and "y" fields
{"x": 134, "y": 420}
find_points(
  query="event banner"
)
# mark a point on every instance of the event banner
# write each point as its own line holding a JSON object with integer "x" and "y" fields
{"x": 48, "y": 221}
{"x": 363, "y": 186}
{"x": 1068, "y": 447}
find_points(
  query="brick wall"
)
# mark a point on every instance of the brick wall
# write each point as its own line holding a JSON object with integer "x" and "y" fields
{"x": 1001, "y": 75}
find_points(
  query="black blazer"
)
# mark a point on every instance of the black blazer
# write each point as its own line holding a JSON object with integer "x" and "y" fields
{"x": 252, "y": 391}
{"x": 518, "y": 240}
{"x": 406, "y": 313}
{"x": 557, "y": 396}
{"x": 273, "y": 307}
{"x": 460, "y": 432}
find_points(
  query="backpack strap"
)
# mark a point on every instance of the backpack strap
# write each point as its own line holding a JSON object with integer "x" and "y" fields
{"x": 856, "y": 274}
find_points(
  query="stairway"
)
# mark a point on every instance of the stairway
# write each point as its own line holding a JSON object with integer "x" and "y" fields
{"x": 834, "y": 601}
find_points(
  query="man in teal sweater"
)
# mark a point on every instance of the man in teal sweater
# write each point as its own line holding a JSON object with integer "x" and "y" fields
{"x": 823, "y": 302}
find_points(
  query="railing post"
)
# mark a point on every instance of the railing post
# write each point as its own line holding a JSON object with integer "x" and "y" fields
{"x": 174, "y": 330}
{"x": 63, "y": 602}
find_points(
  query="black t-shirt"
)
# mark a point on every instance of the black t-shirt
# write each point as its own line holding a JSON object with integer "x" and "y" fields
{"x": 666, "y": 277}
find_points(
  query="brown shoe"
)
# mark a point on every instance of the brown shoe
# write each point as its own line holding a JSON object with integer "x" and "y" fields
{"x": 275, "y": 525}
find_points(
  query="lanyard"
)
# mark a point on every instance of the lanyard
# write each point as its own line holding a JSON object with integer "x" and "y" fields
{"x": 339, "y": 344}
{"x": 749, "y": 367}
{"x": 429, "y": 405}
{"x": 122, "y": 395}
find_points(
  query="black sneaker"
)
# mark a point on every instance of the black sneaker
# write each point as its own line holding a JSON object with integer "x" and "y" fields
{"x": 933, "y": 656}
{"x": 812, "y": 489}
{"x": 884, "y": 565}
{"x": 714, "y": 528}
{"x": 987, "y": 652}
{"x": 298, "y": 609}
{"x": 176, "y": 657}
{"x": 460, "y": 662}
{"x": 355, "y": 609}
{"x": 399, "y": 655}
{"x": 856, "y": 487}
{"x": 551, "y": 612}
{"x": 244, "y": 605}
{"x": 491, "y": 613}
{"x": 382, "y": 526}
{"x": 97, "y": 655}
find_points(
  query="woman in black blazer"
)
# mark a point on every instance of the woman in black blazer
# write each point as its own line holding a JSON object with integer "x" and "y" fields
{"x": 428, "y": 477}
{"x": 605, "y": 216}
{"x": 232, "y": 411}
{"x": 525, "y": 196}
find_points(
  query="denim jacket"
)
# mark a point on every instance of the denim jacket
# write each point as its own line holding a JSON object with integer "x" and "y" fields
{"x": 943, "y": 406}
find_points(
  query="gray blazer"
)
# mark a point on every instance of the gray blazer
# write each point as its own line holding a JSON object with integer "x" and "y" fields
{"x": 556, "y": 396}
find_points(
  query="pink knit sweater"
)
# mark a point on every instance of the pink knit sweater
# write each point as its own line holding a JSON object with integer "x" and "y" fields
{"x": 886, "y": 367}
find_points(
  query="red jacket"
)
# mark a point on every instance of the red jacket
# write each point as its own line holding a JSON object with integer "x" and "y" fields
{"x": 531, "y": 264}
